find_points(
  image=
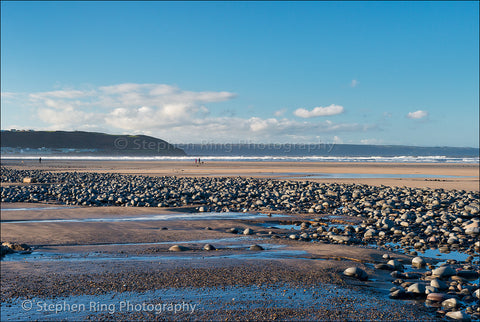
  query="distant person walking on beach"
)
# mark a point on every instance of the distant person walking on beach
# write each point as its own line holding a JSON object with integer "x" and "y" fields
{"x": 39, "y": 160}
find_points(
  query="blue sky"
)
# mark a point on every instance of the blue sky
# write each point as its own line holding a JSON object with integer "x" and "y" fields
{"x": 351, "y": 72}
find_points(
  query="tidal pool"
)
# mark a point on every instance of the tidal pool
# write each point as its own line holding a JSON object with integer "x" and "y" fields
{"x": 159, "y": 217}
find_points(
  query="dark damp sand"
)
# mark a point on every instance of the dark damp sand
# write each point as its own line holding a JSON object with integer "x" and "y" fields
{"x": 315, "y": 265}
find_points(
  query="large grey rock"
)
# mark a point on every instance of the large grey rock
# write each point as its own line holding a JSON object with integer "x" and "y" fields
{"x": 369, "y": 233}
{"x": 209, "y": 247}
{"x": 472, "y": 231}
{"x": 441, "y": 285}
{"x": 178, "y": 248}
{"x": 458, "y": 315}
{"x": 450, "y": 304}
{"x": 357, "y": 273}
{"x": 416, "y": 288}
{"x": 430, "y": 289}
{"x": 443, "y": 272}
{"x": 437, "y": 297}
{"x": 418, "y": 262}
{"x": 395, "y": 264}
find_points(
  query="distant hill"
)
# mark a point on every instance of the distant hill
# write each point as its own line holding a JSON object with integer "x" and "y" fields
{"x": 84, "y": 143}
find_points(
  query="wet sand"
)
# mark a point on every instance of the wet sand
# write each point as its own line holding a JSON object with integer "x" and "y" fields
{"x": 98, "y": 259}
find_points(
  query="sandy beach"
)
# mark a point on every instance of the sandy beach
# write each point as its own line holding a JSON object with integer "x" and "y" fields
{"x": 112, "y": 254}
{"x": 463, "y": 176}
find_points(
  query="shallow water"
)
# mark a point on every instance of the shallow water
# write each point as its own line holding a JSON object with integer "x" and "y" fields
{"x": 435, "y": 253}
{"x": 159, "y": 217}
{"x": 307, "y": 175}
{"x": 172, "y": 301}
{"x": 270, "y": 252}
{"x": 281, "y": 226}
{"x": 432, "y": 253}
{"x": 37, "y": 208}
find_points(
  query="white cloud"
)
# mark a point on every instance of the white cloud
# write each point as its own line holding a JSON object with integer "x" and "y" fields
{"x": 172, "y": 114}
{"x": 354, "y": 83}
{"x": 417, "y": 115}
{"x": 337, "y": 140}
{"x": 319, "y": 111}
{"x": 8, "y": 95}
{"x": 280, "y": 112}
{"x": 371, "y": 141}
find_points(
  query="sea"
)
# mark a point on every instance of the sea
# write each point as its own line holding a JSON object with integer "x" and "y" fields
{"x": 273, "y": 153}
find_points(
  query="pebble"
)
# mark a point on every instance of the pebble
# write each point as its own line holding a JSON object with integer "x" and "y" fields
{"x": 416, "y": 288}
{"x": 178, "y": 248}
{"x": 439, "y": 284}
{"x": 449, "y": 304}
{"x": 10, "y": 248}
{"x": 458, "y": 315}
{"x": 209, "y": 247}
{"x": 444, "y": 272}
{"x": 418, "y": 262}
{"x": 357, "y": 273}
{"x": 396, "y": 265}
{"x": 437, "y": 297}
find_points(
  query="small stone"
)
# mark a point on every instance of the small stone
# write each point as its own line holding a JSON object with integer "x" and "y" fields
{"x": 438, "y": 284}
{"x": 444, "y": 272}
{"x": 416, "y": 288}
{"x": 437, "y": 297}
{"x": 209, "y": 247}
{"x": 450, "y": 304}
{"x": 398, "y": 294}
{"x": 458, "y": 315}
{"x": 395, "y": 264}
{"x": 418, "y": 262}
{"x": 247, "y": 231}
{"x": 256, "y": 247}
{"x": 232, "y": 230}
{"x": 178, "y": 248}
{"x": 384, "y": 267}
{"x": 430, "y": 289}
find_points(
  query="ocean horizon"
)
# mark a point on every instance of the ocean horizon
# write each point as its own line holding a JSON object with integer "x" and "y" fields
{"x": 269, "y": 153}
